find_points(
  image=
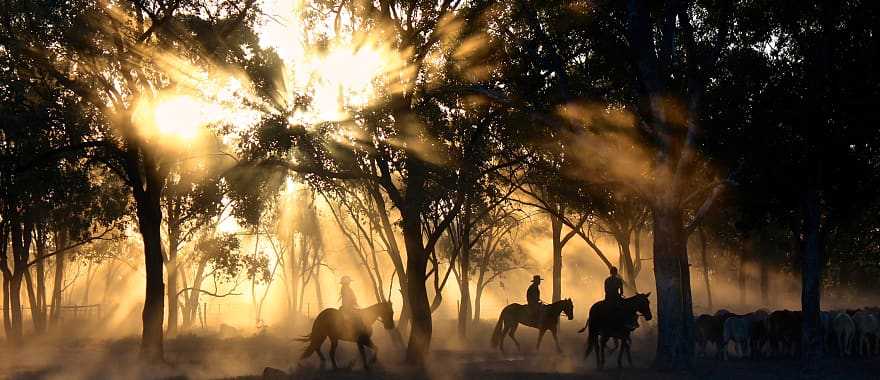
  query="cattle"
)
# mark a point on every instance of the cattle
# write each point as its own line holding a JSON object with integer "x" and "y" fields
{"x": 758, "y": 328}
{"x": 737, "y": 329}
{"x": 783, "y": 332}
{"x": 844, "y": 332}
{"x": 709, "y": 330}
{"x": 867, "y": 329}
{"x": 825, "y": 318}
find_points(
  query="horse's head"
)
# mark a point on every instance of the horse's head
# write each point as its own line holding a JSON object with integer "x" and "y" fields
{"x": 386, "y": 313}
{"x": 568, "y": 308}
{"x": 643, "y": 305}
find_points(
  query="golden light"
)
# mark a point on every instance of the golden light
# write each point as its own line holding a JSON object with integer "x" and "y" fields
{"x": 338, "y": 77}
{"x": 179, "y": 116}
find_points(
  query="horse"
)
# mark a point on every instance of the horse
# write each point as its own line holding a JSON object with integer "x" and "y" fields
{"x": 514, "y": 314}
{"x": 610, "y": 322}
{"x": 334, "y": 324}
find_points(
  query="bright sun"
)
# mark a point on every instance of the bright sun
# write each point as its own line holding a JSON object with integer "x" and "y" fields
{"x": 179, "y": 116}
{"x": 339, "y": 77}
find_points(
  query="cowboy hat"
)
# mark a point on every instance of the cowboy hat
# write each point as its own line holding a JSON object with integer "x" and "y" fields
{"x": 536, "y": 278}
{"x": 345, "y": 280}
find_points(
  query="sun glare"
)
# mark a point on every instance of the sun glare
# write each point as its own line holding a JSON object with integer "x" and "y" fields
{"x": 179, "y": 116}
{"x": 338, "y": 77}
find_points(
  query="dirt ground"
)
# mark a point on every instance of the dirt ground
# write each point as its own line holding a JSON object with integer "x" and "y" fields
{"x": 211, "y": 356}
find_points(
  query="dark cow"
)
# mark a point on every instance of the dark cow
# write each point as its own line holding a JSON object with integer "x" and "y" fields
{"x": 784, "y": 332}
{"x": 758, "y": 321}
{"x": 709, "y": 330}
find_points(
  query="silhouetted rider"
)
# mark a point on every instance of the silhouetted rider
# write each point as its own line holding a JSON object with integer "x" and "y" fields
{"x": 533, "y": 296}
{"x": 346, "y": 295}
{"x": 614, "y": 296}
{"x": 613, "y": 287}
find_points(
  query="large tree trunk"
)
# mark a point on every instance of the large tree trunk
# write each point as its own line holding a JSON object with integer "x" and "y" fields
{"x": 821, "y": 97}
{"x": 811, "y": 272}
{"x": 149, "y": 222}
{"x": 675, "y": 348}
{"x": 416, "y": 265}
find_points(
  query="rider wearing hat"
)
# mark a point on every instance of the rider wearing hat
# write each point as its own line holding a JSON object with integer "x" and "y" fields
{"x": 349, "y": 304}
{"x": 533, "y": 296}
{"x": 613, "y": 287}
{"x": 346, "y": 295}
{"x": 614, "y": 296}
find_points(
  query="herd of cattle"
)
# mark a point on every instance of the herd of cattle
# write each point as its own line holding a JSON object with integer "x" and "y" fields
{"x": 778, "y": 334}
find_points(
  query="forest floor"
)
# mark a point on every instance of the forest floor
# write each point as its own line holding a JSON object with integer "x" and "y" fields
{"x": 212, "y": 356}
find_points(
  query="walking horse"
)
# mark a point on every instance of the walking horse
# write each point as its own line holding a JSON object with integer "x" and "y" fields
{"x": 515, "y": 314}
{"x": 615, "y": 321}
{"x": 335, "y": 325}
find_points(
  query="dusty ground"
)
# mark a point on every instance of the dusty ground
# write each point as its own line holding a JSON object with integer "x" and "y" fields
{"x": 210, "y": 356}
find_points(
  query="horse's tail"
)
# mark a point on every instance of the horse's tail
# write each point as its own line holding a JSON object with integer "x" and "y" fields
{"x": 585, "y": 326}
{"x": 592, "y": 340}
{"x": 496, "y": 335}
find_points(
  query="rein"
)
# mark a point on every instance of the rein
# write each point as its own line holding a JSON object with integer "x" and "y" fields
{"x": 371, "y": 314}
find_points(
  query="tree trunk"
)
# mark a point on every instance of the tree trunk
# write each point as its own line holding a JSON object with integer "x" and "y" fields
{"x": 763, "y": 257}
{"x": 393, "y": 252}
{"x": 675, "y": 348}
{"x": 16, "y": 333}
{"x": 150, "y": 221}
{"x": 192, "y": 300}
{"x": 705, "y": 261}
{"x": 416, "y": 265}
{"x": 58, "y": 283}
{"x": 628, "y": 267}
{"x": 556, "y": 226}
{"x": 811, "y": 272}
{"x": 34, "y": 303}
{"x": 464, "y": 262}
{"x": 21, "y": 243}
{"x": 173, "y": 244}
{"x": 479, "y": 295}
{"x": 742, "y": 275}
{"x": 7, "y": 322}
{"x": 420, "y": 309}
{"x": 318, "y": 295}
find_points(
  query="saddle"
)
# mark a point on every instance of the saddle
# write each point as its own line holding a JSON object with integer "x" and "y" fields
{"x": 537, "y": 312}
{"x": 353, "y": 321}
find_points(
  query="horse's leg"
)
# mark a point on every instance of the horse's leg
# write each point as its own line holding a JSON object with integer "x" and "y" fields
{"x": 375, "y": 350}
{"x": 504, "y": 331}
{"x": 620, "y": 353}
{"x": 629, "y": 356}
{"x": 363, "y": 355}
{"x": 333, "y": 344}
{"x": 541, "y": 333}
{"x": 556, "y": 339}
{"x": 512, "y": 335}
{"x": 601, "y": 353}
